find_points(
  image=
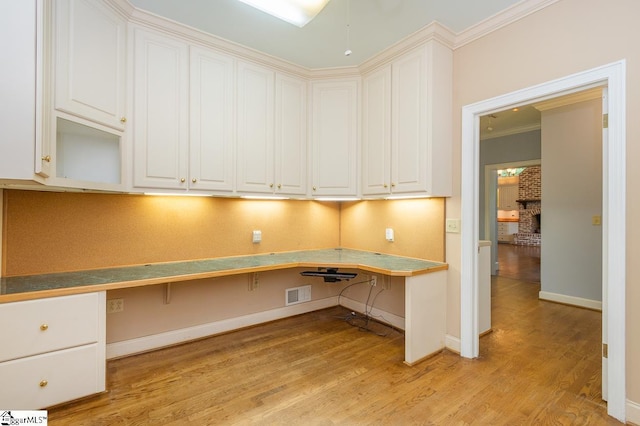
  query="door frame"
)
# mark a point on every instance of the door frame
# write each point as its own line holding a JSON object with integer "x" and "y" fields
{"x": 613, "y": 76}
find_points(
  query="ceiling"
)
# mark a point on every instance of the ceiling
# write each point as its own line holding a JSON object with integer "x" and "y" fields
{"x": 508, "y": 122}
{"x": 373, "y": 25}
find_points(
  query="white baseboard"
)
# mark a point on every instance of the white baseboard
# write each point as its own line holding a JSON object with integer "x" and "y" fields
{"x": 452, "y": 343}
{"x": 156, "y": 341}
{"x": 377, "y": 314}
{"x": 633, "y": 412}
{"x": 571, "y": 300}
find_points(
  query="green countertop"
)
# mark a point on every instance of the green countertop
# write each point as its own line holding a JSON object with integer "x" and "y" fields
{"x": 58, "y": 284}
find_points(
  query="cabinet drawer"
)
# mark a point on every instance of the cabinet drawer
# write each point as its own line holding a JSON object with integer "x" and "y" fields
{"x": 44, "y": 380}
{"x": 37, "y": 326}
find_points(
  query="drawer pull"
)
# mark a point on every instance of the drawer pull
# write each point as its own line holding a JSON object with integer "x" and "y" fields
{"x": 44, "y": 327}
{"x": 43, "y": 383}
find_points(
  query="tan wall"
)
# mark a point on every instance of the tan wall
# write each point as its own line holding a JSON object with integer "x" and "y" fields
{"x": 71, "y": 231}
{"x": 363, "y": 224}
{"x": 564, "y": 38}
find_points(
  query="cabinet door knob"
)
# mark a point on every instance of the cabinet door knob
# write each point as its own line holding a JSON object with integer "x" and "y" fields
{"x": 393, "y": 185}
{"x": 182, "y": 180}
{"x": 385, "y": 185}
{"x": 271, "y": 185}
{"x": 279, "y": 185}
{"x": 46, "y": 158}
{"x": 123, "y": 120}
{"x": 44, "y": 327}
{"x": 314, "y": 188}
{"x": 194, "y": 180}
{"x": 43, "y": 383}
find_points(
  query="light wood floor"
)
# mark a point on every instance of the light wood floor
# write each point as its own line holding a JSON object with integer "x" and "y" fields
{"x": 540, "y": 365}
{"x": 519, "y": 262}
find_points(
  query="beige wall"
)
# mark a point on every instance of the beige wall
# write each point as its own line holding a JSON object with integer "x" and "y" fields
{"x": 363, "y": 224}
{"x": 71, "y": 231}
{"x": 564, "y": 38}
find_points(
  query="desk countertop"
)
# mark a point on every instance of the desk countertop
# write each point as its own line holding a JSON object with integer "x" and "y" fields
{"x": 49, "y": 285}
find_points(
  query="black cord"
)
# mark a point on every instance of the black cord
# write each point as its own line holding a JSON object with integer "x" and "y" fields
{"x": 366, "y": 317}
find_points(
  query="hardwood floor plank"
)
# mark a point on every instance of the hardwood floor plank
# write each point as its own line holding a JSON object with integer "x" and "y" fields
{"x": 539, "y": 365}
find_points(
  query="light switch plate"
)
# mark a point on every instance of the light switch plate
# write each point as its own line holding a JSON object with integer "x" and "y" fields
{"x": 453, "y": 225}
{"x": 257, "y": 236}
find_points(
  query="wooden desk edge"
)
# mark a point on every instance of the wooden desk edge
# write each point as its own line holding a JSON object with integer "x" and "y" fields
{"x": 43, "y": 294}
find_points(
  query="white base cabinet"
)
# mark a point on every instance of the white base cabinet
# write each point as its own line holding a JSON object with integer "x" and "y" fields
{"x": 54, "y": 350}
{"x": 507, "y": 231}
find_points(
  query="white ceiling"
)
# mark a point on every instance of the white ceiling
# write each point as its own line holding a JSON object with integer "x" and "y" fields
{"x": 508, "y": 122}
{"x": 374, "y": 25}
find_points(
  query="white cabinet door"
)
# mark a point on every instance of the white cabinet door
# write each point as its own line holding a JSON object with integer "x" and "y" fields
{"x": 507, "y": 196}
{"x": 161, "y": 102}
{"x": 291, "y": 135}
{"x": 212, "y": 135}
{"x": 20, "y": 42}
{"x": 90, "y": 61}
{"x": 334, "y": 138}
{"x": 376, "y": 132}
{"x": 407, "y": 124}
{"x": 255, "y": 135}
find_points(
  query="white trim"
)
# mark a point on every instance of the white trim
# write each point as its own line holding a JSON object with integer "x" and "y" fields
{"x": 156, "y": 341}
{"x": 501, "y": 19}
{"x": 570, "y": 300}
{"x": 452, "y": 343}
{"x": 633, "y": 412}
{"x": 614, "y": 224}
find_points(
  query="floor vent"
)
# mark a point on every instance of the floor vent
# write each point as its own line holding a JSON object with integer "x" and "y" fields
{"x": 297, "y": 295}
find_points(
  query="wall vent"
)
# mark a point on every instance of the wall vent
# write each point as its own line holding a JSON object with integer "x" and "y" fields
{"x": 297, "y": 295}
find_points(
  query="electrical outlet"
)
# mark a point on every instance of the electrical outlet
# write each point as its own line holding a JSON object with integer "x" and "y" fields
{"x": 253, "y": 281}
{"x": 115, "y": 305}
{"x": 386, "y": 282}
{"x": 374, "y": 280}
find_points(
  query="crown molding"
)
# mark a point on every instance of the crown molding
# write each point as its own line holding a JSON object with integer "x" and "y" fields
{"x": 435, "y": 31}
{"x": 501, "y": 19}
{"x": 192, "y": 35}
{"x": 124, "y": 8}
{"x": 511, "y": 131}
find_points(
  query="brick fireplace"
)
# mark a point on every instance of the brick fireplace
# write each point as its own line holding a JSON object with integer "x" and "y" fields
{"x": 530, "y": 212}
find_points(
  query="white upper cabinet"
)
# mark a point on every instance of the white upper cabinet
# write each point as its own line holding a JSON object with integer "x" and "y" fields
{"x": 334, "y": 137}
{"x": 161, "y": 105}
{"x": 271, "y": 142}
{"x": 90, "y": 62}
{"x": 20, "y": 109}
{"x": 255, "y": 162}
{"x": 417, "y": 160}
{"x": 291, "y": 135}
{"x": 376, "y": 132}
{"x": 212, "y": 121}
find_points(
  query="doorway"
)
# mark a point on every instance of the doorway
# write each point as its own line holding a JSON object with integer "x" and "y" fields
{"x": 612, "y": 77}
